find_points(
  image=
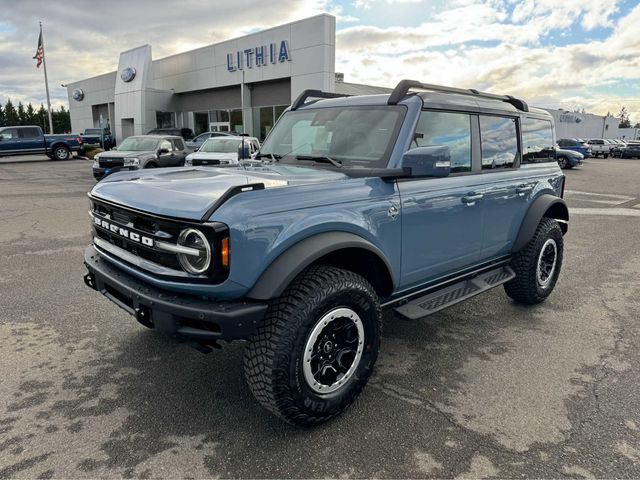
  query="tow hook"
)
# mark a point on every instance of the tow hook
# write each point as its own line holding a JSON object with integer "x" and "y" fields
{"x": 90, "y": 281}
{"x": 143, "y": 316}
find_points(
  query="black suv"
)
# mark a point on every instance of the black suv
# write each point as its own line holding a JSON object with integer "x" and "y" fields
{"x": 185, "y": 133}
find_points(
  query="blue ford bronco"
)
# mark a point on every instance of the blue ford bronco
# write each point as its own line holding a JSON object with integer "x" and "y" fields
{"x": 411, "y": 201}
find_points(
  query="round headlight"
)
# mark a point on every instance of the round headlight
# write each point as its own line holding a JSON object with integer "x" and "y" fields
{"x": 195, "y": 240}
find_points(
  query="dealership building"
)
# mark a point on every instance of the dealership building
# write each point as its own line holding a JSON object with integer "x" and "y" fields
{"x": 206, "y": 88}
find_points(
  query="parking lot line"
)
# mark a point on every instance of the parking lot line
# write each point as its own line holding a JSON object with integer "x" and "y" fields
{"x": 614, "y": 212}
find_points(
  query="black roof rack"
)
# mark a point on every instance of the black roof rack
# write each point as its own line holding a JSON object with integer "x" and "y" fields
{"x": 313, "y": 94}
{"x": 404, "y": 86}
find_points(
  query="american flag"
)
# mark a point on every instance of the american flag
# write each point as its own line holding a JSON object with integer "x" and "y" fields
{"x": 39, "y": 52}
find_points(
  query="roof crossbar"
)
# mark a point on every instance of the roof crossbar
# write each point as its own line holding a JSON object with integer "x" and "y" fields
{"x": 404, "y": 86}
{"x": 306, "y": 94}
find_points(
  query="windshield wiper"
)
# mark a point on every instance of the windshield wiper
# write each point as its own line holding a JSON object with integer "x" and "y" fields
{"x": 273, "y": 156}
{"x": 320, "y": 158}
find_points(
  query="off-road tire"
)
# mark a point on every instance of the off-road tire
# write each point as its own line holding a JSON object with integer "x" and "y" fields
{"x": 273, "y": 359}
{"x": 524, "y": 288}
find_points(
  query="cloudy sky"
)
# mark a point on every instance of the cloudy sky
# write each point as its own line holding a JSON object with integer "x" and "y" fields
{"x": 555, "y": 53}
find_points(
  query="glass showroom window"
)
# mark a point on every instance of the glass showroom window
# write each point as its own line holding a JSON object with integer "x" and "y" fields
{"x": 165, "y": 119}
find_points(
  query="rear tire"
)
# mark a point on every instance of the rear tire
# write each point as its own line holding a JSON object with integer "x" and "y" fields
{"x": 315, "y": 349}
{"x": 61, "y": 153}
{"x": 537, "y": 266}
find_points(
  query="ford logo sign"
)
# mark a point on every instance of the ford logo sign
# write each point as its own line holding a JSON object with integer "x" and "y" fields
{"x": 78, "y": 95}
{"x": 128, "y": 74}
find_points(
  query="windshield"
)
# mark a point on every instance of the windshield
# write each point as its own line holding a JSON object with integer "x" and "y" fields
{"x": 354, "y": 136}
{"x": 138, "y": 144}
{"x": 221, "y": 145}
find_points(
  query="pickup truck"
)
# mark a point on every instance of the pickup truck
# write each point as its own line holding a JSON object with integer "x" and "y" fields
{"x": 599, "y": 147}
{"x": 98, "y": 136}
{"x": 29, "y": 140}
{"x": 411, "y": 201}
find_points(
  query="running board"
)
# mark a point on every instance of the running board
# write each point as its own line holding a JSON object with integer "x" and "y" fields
{"x": 448, "y": 296}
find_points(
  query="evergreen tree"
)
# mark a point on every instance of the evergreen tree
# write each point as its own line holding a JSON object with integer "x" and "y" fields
{"x": 624, "y": 118}
{"x": 61, "y": 120}
{"x": 10, "y": 114}
{"x": 41, "y": 118}
{"x": 30, "y": 114}
{"x": 21, "y": 116}
{"x": 2, "y": 119}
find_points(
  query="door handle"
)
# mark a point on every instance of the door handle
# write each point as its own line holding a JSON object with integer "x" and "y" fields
{"x": 523, "y": 189}
{"x": 471, "y": 199}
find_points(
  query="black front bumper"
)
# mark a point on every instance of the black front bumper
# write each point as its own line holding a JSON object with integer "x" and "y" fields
{"x": 176, "y": 314}
{"x": 99, "y": 173}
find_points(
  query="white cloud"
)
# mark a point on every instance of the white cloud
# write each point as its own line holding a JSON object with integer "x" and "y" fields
{"x": 436, "y": 51}
{"x": 83, "y": 39}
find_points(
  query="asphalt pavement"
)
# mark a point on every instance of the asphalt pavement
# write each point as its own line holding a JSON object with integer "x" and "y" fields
{"x": 486, "y": 388}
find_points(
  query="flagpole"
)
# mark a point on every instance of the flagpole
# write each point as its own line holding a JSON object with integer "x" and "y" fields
{"x": 46, "y": 82}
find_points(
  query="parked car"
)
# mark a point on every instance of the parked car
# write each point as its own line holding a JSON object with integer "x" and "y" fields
{"x": 618, "y": 144}
{"x": 100, "y": 137}
{"x": 196, "y": 142}
{"x": 411, "y": 201}
{"x": 29, "y": 140}
{"x": 630, "y": 149}
{"x": 223, "y": 151}
{"x": 185, "y": 133}
{"x": 576, "y": 145}
{"x": 568, "y": 158}
{"x": 142, "y": 151}
{"x": 599, "y": 147}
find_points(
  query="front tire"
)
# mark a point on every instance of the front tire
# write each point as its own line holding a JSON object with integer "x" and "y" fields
{"x": 562, "y": 162}
{"x": 537, "y": 266}
{"x": 316, "y": 347}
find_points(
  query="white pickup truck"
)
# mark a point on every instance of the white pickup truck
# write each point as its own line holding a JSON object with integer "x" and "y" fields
{"x": 599, "y": 147}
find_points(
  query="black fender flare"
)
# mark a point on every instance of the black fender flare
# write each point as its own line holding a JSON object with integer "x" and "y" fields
{"x": 279, "y": 274}
{"x": 546, "y": 205}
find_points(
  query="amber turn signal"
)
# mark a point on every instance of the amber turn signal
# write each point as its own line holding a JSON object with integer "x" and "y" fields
{"x": 224, "y": 252}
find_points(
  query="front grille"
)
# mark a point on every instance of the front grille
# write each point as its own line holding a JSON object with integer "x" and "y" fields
{"x": 159, "y": 229}
{"x": 109, "y": 162}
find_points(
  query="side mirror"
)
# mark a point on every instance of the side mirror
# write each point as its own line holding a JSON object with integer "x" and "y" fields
{"x": 432, "y": 161}
{"x": 162, "y": 151}
{"x": 243, "y": 151}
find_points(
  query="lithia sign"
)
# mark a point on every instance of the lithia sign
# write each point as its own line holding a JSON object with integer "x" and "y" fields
{"x": 259, "y": 56}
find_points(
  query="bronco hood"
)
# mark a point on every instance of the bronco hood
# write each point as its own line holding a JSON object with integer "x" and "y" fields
{"x": 190, "y": 192}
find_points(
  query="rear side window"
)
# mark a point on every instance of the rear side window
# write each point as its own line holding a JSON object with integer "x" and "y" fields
{"x": 29, "y": 133}
{"x": 537, "y": 137}
{"x": 499, "y": 140}
{"x": 166, "y": 144}
{"x": 447, "y": 129}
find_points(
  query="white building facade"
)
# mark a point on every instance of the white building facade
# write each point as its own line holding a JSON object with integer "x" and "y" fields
{"x": 584, "y": 125}
{"x": 205, "y": 89}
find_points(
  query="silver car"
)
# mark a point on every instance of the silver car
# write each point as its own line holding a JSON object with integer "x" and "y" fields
{"x": 195, "y": 143}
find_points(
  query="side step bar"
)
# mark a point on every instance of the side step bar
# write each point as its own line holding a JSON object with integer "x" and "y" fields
{"x": 448, "y": 296}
